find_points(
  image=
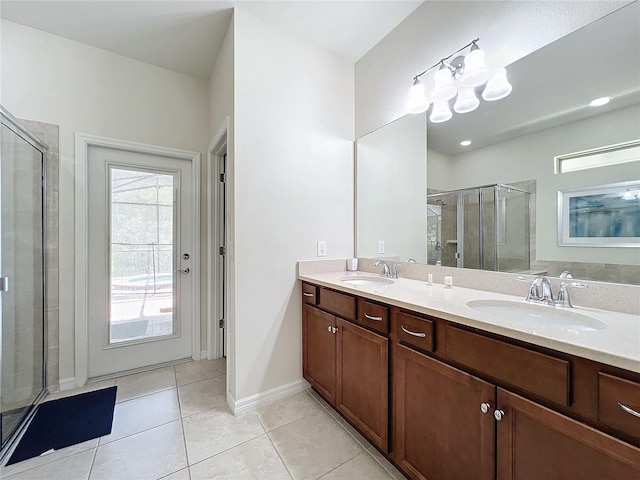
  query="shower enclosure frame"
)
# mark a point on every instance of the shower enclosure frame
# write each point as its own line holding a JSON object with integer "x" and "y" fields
{"x": 459, "y": 193}
{"x": 13, "y": 124}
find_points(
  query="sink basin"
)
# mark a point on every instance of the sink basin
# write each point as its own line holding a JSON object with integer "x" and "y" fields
{"x": 363, "y": 280}
{"x": 538, "y": 315}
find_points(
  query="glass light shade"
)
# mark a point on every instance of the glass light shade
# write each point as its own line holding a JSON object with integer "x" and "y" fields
{"x": 444, "y": 88}
{"x": 497, "y": 87}
{"x": 418, "y": 101}
{"x": 475, "y": 70}
{"x": 440, "y": 112}
{"x": 466, "y": 101}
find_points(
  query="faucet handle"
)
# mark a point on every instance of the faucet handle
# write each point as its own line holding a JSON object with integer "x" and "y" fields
{"x": 563, "y": 295}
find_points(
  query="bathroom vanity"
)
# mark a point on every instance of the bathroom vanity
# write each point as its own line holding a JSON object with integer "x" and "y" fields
{"x": 448, "y": 389}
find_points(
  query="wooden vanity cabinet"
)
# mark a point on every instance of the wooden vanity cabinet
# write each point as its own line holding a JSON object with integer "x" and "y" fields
{"x": 466, "y": 403}
{"x": 440, "y": 431}
{"x": 319, "y": 351}
{"x": 347, "y": 364}
{"x": 535, "y": 442}
{"x": 362, "y": 381}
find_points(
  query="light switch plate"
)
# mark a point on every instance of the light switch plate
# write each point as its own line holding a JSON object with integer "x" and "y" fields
{"x": 322, "y": 248}
{"x": 380, "y": 246}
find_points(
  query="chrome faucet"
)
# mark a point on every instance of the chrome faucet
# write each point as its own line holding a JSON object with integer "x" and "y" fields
{"x": 540, "y": 291}
{"x": 386, "y": 272}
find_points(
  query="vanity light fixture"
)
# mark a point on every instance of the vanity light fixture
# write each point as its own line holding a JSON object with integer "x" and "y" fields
{"x": 465, "y": 143}
{"x": 459, "y": 77}
{"x": 598, "y": 102}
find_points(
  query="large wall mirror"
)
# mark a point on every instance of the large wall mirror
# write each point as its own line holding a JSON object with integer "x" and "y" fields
{"x": 494, "y": 203}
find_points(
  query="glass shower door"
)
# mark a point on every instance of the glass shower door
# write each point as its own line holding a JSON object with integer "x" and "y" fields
{"x": 22, "y": 268}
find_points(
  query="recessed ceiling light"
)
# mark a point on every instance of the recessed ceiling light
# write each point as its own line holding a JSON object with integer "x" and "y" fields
{"x": 598, "y": 102}
{"x": 465, "y": 143}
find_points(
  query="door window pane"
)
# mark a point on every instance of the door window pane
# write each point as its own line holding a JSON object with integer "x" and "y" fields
{"x": 142, "y": 255}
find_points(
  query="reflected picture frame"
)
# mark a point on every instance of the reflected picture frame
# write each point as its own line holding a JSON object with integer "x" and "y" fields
{"x": 600, "y": 216}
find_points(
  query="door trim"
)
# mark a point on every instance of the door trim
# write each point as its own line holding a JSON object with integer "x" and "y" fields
{"x": 218, "y": 145}
{"x": 81, "y": 312}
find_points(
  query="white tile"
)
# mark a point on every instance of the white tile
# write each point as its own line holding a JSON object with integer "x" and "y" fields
{"x": 363, "y": 466}
{"x": 203, "y": 395}
{"x": 255, "y": 459}
{"x": 74, "y": 467}
{"x": 314, "y": 445}
{"x": 143, "y": 413}
{"x": 287, "y": 410}
{"x": 386, "y": 464}
{"x": 139, "y": 384}
{"x": 350, "y": 430}
{"x": 213, "y": 431}
{"x": 45, "y": 459}
{"x": 190, "y": 372}
{"x": 179, "y": 475}
{"x": 148, "y": 455}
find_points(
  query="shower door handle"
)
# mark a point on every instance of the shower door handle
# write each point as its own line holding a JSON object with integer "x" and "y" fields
{"x": 4, "y": 284}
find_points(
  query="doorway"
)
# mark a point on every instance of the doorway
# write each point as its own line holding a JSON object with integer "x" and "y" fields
{"x": 218, "y": 245}
{"x": 142, "y": 257}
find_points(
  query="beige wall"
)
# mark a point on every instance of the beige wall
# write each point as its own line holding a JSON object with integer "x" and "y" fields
{"x": 84, "y": 89}
{"x": 221, "y": 105}
{"x": 293, "y": 186}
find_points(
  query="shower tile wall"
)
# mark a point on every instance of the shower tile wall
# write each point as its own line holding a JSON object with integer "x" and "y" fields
{"x": 49, "y": 134}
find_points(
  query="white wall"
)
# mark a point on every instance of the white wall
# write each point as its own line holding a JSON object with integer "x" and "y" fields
{"x": 531, "y": 157}
{"x": 507, "y": 30}
{"x": 83, "y": 89}
{"x": 294, "y": 110}
{"x": 221, "y": 105}
{"x": 392, "y": 189}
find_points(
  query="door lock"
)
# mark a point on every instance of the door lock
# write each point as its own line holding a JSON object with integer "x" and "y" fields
{"x": 186, "y": 256}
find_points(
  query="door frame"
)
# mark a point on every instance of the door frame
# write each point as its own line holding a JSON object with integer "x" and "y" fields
{"x": 82, "y": 143}
{"x": 217, "y": 148}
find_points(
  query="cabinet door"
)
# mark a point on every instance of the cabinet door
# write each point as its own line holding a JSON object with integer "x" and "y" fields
{"x": 319, "y": 351}
{"x": 363, "y": 373}
{"x": 440, "y": 432}
{"x": 535, "y": 442}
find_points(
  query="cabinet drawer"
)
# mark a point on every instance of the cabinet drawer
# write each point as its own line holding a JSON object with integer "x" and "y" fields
{"x": 373, "y": 316}
{"x": 337, "y": 303}
{"x": 534, "y": 372}
{"x": 613, "y": 394}
{"x": 309, "y": 294}
{"x": 414, "y": 331}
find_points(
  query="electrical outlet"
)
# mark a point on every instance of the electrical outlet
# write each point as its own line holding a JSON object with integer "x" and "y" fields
{"x": 322, "y": 248}
{"x": 380, "y": 246}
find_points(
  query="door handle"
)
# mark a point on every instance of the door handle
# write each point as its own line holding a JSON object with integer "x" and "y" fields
{"x": 4, "y": 284}
{"x": 183, "y": 270}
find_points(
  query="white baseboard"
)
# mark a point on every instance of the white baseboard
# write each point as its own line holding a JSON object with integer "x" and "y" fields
{"x": 204, "y": 355}
{"x": 68, "y": 383}
{"x": 259, "y": 399}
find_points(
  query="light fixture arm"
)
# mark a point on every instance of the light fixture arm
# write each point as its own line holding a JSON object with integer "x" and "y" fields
{"x": 442, "y": 61}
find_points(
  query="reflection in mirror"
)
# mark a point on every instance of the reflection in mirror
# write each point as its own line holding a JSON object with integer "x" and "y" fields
{"x": 513, "y": 143}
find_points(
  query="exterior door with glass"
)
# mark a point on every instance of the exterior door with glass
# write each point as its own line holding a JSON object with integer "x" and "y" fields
{"x": 141, "y": 239}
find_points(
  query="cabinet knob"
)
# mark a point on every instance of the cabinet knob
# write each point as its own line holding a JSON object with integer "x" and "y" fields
{"x": 329, "y": 329}
{"x": 334, "y": 329}
{"x": 485, "y": 407}
{"x": 498, "y": 414}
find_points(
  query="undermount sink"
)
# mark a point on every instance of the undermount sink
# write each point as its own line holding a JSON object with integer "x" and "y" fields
{"x": 538, "y": 315}
{"x": 368, "y": 280}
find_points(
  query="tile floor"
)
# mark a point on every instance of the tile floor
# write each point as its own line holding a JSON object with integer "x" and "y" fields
{"x": 173, "y": 424}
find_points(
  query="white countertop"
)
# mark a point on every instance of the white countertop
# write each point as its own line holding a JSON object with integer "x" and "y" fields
{"x": 618, "y": 344}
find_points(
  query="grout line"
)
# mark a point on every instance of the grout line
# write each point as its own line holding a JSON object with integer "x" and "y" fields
{"x": 279, "y": 455}
{"x": 226, "y": 450}
{"x": 93, "y": 459}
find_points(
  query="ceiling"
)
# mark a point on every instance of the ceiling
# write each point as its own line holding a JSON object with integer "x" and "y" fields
{"x": 186, "y": 36}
